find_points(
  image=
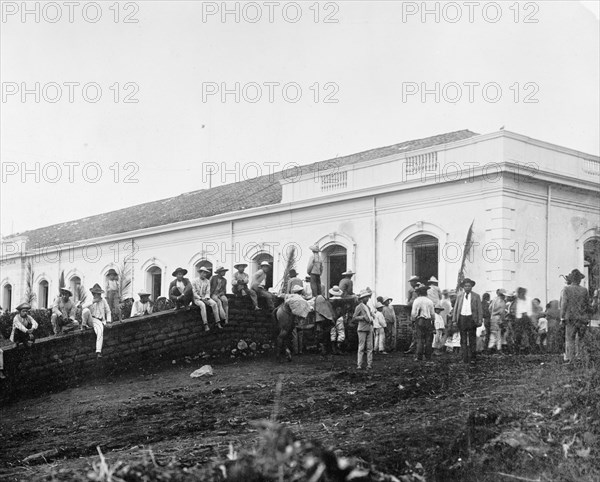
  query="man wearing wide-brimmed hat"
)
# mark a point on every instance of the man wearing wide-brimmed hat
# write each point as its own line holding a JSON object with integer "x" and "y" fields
{"x": 422, "y": 315}
{"x": 23, "y": 326}
{"x": 293, "y": 280}
{"x": 468, "y": 316}
{"x": 143, "y": 306}
{"x": 218, "y": 289}
{"x": 315, "y": 269}
{"x": 239, "y": 284}
{"x": 63, "y": 312}
{"x": 363, "y": 316}
{"x": 180, "y": 289}
{"x": 434, "y": 293}
{"x": 202, "y": 299}
{"x": 95, "y": 315}
{"x": 258, "y": 285}
{"x": 347, "y": 285}
{"x": 575, "y": 314}
{"x": 390, "y": 319}
{"x": 414, "y": 282}
{"x": 113, "y": 294}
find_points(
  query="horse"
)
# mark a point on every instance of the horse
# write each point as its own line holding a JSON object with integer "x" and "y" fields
{"x": 285, "y": 321}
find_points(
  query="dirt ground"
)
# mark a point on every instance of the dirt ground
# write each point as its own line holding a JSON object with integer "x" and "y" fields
{"x": 450, "y": 417}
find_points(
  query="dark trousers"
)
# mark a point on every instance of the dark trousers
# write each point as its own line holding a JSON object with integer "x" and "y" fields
{"x": 179, "y": 299}
{"x": 468, "y": 338}
{"x": 315, "y": 284}
{"x": 523, "y": 333}
{"x": 27, "y": 339}
{"x": 424, "y": 331}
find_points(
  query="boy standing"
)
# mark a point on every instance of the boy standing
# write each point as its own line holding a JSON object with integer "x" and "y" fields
{"x": 379, "y": 326}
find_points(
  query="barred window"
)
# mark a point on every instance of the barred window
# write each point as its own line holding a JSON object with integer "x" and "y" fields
{"x": 591, "y": 167}
{"x": 422, "y": 163}
{"x": 334, "y": 181}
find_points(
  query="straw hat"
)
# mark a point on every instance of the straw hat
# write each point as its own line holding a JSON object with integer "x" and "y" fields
{"x": 336, "y": 291}
{"x": 364, "y": 294}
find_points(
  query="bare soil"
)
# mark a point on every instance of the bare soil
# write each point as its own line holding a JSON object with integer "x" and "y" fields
{"x": 489, "y": 422}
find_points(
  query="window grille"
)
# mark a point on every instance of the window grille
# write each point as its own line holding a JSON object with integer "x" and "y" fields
{"x": 422, "y": 163}
{"x": 591, "y": 167}
{"x": 334, "y": 181}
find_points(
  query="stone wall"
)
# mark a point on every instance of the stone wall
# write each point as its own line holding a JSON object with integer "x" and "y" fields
{"x": 61, "y": 362}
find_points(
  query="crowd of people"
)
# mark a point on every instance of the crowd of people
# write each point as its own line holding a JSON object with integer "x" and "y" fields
{"x": 442, "y": 320}
{"x": 511, "y": 323}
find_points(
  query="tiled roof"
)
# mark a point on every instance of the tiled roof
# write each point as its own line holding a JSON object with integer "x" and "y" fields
{"x": 262, "y": 191}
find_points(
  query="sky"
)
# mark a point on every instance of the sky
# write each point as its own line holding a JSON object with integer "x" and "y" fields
{"x": 110, "y": 104}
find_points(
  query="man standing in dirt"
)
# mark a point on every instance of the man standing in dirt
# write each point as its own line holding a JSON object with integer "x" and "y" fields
{"x": 468, "y": 315}
{"x": 412, "y": 296}
{"x": 423, "y": 316}
{"x": 574, "y": 305}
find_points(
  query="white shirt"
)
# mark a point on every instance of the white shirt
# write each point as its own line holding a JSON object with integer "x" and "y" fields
{"x": 465, "y": 310}
{"x": 523, "y": 306}
{"x": 422, "y": 307}
{"x": 379, "y": 320}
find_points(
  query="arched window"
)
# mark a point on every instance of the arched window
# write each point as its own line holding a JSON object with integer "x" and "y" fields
{"x": 259, "y": 258}
{"x": 422, "y": 256}
{"x": 43, "y": 294}
{"x": 335, "y": 262}
{"x": 75, "y": 286}
{"x": 204, "y": 263}
{"x": 7, "y": 297}
{"x": 154, "y": 281}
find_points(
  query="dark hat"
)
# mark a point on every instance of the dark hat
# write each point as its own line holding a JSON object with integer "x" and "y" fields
{"x": 111, "y": 271}
{"x": 180, "y": 270}
{"x": 65, "y": 290}
{"x": 467, "y": 280}
{"x": 221, "y": 269}
{"x": 576, "y": 274}
{"x": 24, "y": 306}
{"x": 96, "y": 289}
{"x": 293, "y": 273}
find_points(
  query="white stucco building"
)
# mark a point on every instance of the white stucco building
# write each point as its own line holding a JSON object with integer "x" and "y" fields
{"x": 387, "y": 213}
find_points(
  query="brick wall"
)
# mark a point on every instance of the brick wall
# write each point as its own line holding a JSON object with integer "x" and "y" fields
{"x": 60, "y": 362}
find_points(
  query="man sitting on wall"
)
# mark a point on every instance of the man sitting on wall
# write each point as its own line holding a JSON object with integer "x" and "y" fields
{"x": 63, "y": 312}
{"x": 143, "y": 306}
{"x": 239, "y": 284}
{"x": 258, "y": 285}
{"x": 347, "y": 286}
{"x": 201, "y": 293}
{"x": 23, "y": 327}
{"x": 218, "y": 288}
{"x": 96, "y": 315}
{"x": 180, "y": 289}
{"x": 293, "y": 281}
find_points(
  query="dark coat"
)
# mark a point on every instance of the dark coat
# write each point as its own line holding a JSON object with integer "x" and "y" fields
{"x": 476, "y": 307}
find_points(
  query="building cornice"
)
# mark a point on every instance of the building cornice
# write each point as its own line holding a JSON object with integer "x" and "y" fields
{"x": 507, "y": 167}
